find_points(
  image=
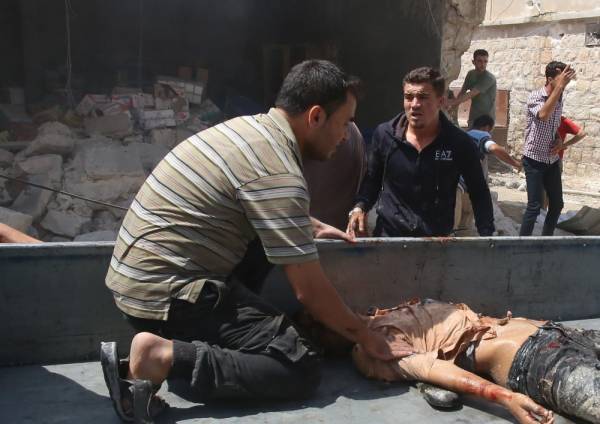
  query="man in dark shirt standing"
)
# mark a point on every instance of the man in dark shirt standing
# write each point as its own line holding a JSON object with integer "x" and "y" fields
{"x": 414, "y": 165}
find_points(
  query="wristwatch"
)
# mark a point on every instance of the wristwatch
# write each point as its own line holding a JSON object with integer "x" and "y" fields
{"x": 356, "y": 209}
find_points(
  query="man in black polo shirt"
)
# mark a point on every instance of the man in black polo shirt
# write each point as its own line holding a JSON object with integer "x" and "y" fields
{"x": 414, "y": 164}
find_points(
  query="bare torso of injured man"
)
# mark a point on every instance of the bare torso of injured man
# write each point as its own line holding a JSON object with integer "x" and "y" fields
{"x": 546, "y": 363}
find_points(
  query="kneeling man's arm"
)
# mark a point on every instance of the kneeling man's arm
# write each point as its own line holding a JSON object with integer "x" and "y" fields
{"x": 314, "y": 290}
{"x": 447, "y": 375}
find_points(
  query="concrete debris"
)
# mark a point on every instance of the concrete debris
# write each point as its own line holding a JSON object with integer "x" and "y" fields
{"x": 49, "y": 165}
{"x": 50, "y": 144}
{"x": 191, "y": 90}
{"x": 523, "y": 187}
{"x": 103, "y": 162}
{"x": 117, "y": 125}
{"x": 150, "y": 119}
{"x": 97, "y": 236}
{"x": 33, "y": 201}
{"x": 586, "y": 222}
{"x": 6, "y": 158}
{"x": 105, "y": 191}
{"x": 89, "y": 102}
{"x": 150, "y": 154}
{"x": 17, "y": 220}
{"x": 165, "y": 137}
{"x": 54, "y": 113}
{"x": 63, "y": 223}
{"x": 54, "y": 127}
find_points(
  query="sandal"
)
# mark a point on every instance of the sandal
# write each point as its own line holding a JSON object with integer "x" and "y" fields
{"x": 438, "y": 397}
{"x": 133, "y": 400}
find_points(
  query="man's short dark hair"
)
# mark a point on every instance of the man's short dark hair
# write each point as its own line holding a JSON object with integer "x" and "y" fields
{"x": 426, "y": 75}
{"x": 316, "y": 82}
{"x": 480, "y": 52}
{"x": 554, "y": 68}
{"x": 483, "y": 121}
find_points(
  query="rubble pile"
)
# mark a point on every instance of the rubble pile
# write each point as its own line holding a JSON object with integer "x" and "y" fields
{"x": 102, "y": 149}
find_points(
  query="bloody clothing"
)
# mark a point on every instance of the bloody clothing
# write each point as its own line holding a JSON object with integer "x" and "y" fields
{"x": 558, "y": 367}
{"x": 435, "y": 330}
{"x": 566, "y": 127}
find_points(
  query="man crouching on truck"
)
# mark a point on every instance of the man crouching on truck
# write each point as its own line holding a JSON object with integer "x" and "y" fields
{"x": 546, "y": 363}
{"x": 190, "y": 227}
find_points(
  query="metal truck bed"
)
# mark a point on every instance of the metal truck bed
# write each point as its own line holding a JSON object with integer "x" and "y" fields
{"x": 76, "y": 393}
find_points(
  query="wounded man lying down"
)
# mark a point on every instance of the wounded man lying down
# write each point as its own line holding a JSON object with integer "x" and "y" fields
{"x": 546, "y": 363}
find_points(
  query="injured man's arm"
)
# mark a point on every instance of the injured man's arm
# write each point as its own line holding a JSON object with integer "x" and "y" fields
{"x": 449, "y": 376}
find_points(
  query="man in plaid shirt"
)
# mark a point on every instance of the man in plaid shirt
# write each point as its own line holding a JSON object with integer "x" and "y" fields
{"x": 540, "y": 160}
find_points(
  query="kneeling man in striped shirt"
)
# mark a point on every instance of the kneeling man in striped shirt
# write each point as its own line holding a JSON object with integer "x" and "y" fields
{"x": 173, "y": 271}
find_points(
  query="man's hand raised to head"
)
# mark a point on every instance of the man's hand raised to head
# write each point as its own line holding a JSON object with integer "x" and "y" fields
{"x": 565, "y": 77}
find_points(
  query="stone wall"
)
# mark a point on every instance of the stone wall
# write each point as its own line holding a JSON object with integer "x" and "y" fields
{"x": 461, "y": 20}
{"x": 518, "y": 55}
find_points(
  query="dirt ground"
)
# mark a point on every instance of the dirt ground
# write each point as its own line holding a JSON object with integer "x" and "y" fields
{"x": 512, "y": 197}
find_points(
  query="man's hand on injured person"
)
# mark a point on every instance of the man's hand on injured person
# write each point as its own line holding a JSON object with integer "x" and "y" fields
{"x": 357, "y": 225}
{"x": 326, "y": 231}
{"x": 379, "y": 347}
{"x": 527, "y": 411}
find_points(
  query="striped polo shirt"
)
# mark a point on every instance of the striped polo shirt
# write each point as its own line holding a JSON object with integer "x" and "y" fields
{"x": 204, "y": 202}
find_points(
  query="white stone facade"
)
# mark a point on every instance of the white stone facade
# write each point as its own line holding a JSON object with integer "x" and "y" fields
{"x": 518, "y": 55}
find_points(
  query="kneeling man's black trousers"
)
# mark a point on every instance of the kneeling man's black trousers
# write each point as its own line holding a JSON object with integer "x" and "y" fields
{"x": 232, "y": 344}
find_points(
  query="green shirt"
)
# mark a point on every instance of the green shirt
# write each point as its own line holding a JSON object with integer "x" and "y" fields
{"x": 485, "y": 102}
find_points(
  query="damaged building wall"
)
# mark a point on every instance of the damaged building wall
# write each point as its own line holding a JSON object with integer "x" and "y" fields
{"x": 521, "y": 46}
{"x": 462, "y": 17}
{"x": 374, "y": 40}
{"x": 115, "y": 136}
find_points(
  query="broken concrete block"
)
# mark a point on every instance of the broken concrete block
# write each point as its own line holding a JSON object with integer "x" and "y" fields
{"x": 55, "y": 128}
{"x": 104, "y": 235}
{"x": 50, "y": 144}
{"x": 6, "y": 158}
{"x": 63, "y": 223}
{"x": 105, "y": 190}
{"x": 165, "y": 137}
{"x": 108, "y": 162}
{"x": 48, "y": 165}
{"x": 17, "y": 220}
{"x": 33, "y": 201}
{"x": 119, "y": 125}
{"x": 150, "y": 154}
